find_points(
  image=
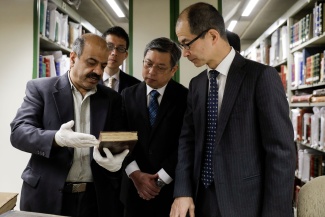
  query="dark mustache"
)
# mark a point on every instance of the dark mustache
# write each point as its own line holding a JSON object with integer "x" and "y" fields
{"x": 93, "y": 75}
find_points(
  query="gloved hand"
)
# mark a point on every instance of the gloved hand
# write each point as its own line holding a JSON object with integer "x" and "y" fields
{"x": 110, "y": 162}
{"x": 67, "y": 137}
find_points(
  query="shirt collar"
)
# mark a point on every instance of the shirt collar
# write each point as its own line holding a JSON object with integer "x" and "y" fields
{"x": 160, "y": 90}
{"x": 116, "y": 76}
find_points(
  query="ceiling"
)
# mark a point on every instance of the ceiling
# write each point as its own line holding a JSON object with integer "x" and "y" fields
{"x": 266, "y": 12}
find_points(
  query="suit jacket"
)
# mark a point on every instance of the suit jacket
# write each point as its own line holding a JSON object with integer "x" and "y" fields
{"x": 157, "y": 145}
{"x": 47, "y": 105}
{"x": 125, "y": 81}
{"x": 254, "y": 156}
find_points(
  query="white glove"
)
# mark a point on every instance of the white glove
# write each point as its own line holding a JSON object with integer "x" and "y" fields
{"x": 67, "y": 137}
{"x": 110, "y": 162}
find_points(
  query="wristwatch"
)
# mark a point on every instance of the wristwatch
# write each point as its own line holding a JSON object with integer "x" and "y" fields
{"x": 160, "y": 183}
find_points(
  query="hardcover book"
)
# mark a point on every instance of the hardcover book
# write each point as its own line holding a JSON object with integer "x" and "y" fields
{"x": 117, "y": 142}
{"x": 7, "y": 201}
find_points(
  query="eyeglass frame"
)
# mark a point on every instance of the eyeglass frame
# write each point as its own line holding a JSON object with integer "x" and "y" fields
{"x": 158, "y": 71}
{"x": 112, "y": 47}
{"x": 186, "y": 46}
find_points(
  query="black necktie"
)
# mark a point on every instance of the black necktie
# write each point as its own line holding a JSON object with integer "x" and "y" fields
{"x": 211, "y": 129}
{"x": 153, "y": 106}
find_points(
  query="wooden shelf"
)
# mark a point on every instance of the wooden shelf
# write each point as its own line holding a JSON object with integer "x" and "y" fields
{"x": 49, "y": 45}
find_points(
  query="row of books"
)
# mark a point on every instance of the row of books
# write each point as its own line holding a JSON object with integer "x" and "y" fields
{"x": 273, "y": 50}
{"x": 308, "y": 66}
{"x": 318, "y": 95}
{"x": 311, "y": 25}
{"x": 53, "y": 63}
{"x": 309, "y": 126}
{"x": 56, "y": 26}
{"x": 311, "y": 164}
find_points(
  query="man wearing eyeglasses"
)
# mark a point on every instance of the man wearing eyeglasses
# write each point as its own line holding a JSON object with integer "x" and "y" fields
{"x": 118, "y": 43}
{"x": 154, "y": 108}
{"x": 236, "y": 149}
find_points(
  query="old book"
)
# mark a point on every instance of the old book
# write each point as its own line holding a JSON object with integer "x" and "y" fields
{"x": 117, "y": 142}
{"x": 7, "y": 201}
{"x": 301, "y": 98}
{"x": 16, "y": 213}
{"x": 319, "y": 92}
{"x": 317, "y": 99}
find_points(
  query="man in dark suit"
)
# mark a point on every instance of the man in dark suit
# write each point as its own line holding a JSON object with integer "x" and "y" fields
{"x": 236, "y": 152}
{"x": 58, "y": 123}
{"x": 147, "y": 188}
{"x": 118, "y": 44}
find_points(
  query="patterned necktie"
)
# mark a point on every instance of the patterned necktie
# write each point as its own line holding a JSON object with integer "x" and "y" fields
{"x": 153, "y": 106}
{"x": 111, "y": 82}
{"x": 211, "y": 129}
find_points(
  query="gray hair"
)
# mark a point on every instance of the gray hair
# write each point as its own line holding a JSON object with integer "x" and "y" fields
{"x": 78, "y": 45}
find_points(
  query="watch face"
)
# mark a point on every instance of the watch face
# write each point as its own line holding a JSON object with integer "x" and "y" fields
{"x": 160, "y": 183}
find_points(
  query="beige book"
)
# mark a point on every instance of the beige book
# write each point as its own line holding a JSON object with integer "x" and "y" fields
{"x": 7, "y": 201}
{"x": 117, "y": 142}
{"x": 16, "y": 213}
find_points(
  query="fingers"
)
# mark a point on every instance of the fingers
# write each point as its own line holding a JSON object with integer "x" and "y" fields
{"x": 85, "y": 137}
{"x": 96, "y": 154}
{"x": 181, "y": 206}
{"x": 149, "y": 191}
{"x": 85, "y": 140}
{"x": 108, "y": 153}
{"x": 67, "y": 125}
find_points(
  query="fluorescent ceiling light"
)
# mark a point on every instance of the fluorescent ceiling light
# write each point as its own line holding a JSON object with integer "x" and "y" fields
{"x": 232, "y": 25}
{"x": 116, "y": 8}
{"x": 249, "y": 8}
{"x": 232, "y": 12}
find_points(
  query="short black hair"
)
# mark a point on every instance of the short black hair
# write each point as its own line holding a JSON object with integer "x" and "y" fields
{"x": 233, "y": 40}
{"x": 165, "y": 45}
{"x": 119, "y": 32}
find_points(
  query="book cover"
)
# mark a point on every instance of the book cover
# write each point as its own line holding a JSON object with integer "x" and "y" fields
{"x": 301, "y": 98}
{"x": 7, "y": 201}
{"x": 117, "y": 142}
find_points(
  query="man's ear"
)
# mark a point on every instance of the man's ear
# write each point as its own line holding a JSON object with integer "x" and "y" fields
{"x": 174, "y": 69}
{"x": 214, "y": 34}
{"x": 73, "y": 56}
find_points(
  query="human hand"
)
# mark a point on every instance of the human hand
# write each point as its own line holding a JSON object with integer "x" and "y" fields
{"x": 145, "y": 184}
{"x": 65, "y": 136}
{"x": 111, "y": 162}
{"x": 181, "y": 206}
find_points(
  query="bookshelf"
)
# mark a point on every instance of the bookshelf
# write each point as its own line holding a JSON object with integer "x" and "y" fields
{"x": 304, "y": 78}
{"x": 66, "y": 24}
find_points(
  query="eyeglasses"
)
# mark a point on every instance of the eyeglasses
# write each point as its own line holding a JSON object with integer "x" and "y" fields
{"x": 187, "y": 45}
{"x": 119, "y": 49}
{"x": 159, "y": 69}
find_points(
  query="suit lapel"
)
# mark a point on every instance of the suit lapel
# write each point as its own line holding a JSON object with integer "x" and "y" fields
{"x": 200, "y": 100}
{"x": 98, "y": 111}
{"x": 165, "y": 104}
{"x": 122, "y": 82}
{"x": 63, "y": 96}
{"x": 141, "y": 97}
{"x": 64, "y": 101}
{"x": 234, "y": 79}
